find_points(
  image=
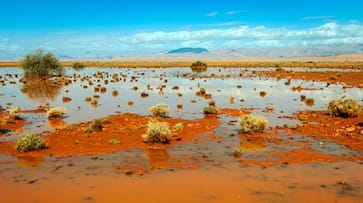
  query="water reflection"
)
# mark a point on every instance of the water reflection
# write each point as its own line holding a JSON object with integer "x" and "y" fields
{"x": 30, "y": 162}
{"x": 251, "y": 144}
{"x": 42, "y": 89}
{"x": 158, "y": 159}
{"x": 57, "y": 123}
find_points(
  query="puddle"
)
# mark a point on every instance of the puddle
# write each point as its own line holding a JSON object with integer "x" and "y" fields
{"x": 181, "y": 85}
{"x": 227, "y": 166}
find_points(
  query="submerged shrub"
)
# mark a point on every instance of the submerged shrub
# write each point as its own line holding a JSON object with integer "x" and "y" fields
{"x": 56, "y": 112}
{"x": 160, "y": 109}
{"x": 252, "y": 124}
{"x": 344, "y": 108}
{"x": 157, "y": 132}
{"x": 38, "y": 63}
{"x": 30, "y": 142}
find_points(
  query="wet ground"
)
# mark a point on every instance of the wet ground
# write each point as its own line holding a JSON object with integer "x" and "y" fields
{"x": 304, "y": 156}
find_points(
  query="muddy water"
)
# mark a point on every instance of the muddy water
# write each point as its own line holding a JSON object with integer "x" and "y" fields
{"x": 181, "y": 85}
{"x": 222, "y": 166}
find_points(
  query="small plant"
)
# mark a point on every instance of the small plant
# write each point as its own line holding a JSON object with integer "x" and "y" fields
{"x": 178, "y": 126}
{"x": 309, "y": 102}
{"x": 30, "y": 142}
{"x": 15, "y": 112}
{"x": 66, "y": 99}
{"x": 344, "y": 108}
{"x": 56, "y": 112}
{"x": 157, "y": 132}
{"x": 114, "y": 141}
{"x": 211, "y": 109}
{"x": 78, "y": 66}
{"x": 211, "y": 103}
{"x": 252, "y": 124}
{"x": 41, "y": 64}
{"x": 199, "y": 66}
{"x": 160, "y": 109}
{"x": 114, "y": 93}
{"x": 94, "y": 126}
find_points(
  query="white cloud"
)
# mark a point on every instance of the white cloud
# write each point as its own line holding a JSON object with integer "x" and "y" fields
{"x": 326, "y": 33}
{"x": 232, "y": 12}
{"x": 232, "y": 36}
{"x": 212, "y": 14}
{"x": 317, "y": 17}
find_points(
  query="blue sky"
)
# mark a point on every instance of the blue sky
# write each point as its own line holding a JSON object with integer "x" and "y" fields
{"x": 110, "y": 27}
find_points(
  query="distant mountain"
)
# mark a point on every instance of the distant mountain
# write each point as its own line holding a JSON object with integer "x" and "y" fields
{"x": 187, "y": 50}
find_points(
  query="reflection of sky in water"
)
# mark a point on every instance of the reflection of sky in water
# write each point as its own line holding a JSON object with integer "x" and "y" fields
{"x": 285, "y": 100}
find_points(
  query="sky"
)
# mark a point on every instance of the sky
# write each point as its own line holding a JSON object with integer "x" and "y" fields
{"x": 111, "y": 27}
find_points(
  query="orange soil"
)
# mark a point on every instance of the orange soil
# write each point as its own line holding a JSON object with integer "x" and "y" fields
{"x": 127, "y": 128}
{"x": 346, "y": 131}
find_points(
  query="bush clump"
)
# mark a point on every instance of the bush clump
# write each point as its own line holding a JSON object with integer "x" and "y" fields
{"x": 157, "y": 132}
{"x": 40, "y": 64}
{"x": 94, "y": 126}
{"x": 30, "y": 142}
{"x": 56, "y": 112}
{"x": 160, "y": 109}
{"x": 252, "y": 124}
{"x": 199, "y": 66}
{"x": 78, "y": 66}
{"x": 344, "y": 108}
{"x": 211, "y": 109}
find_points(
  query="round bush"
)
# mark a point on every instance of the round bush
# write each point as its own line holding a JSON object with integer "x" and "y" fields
{"x": 344, "y": 108}
{"x": 252, "y": 124}
{"x": 41, "y": 64}
{"x": 30, "y": 142}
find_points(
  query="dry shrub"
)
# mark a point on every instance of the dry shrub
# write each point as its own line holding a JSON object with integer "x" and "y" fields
{"x": 157, "y": 132}
{"x": 252, "y": 124}
{"x": 344, "y": 108}
{"x": 56, "y": 112}
{"x": 160, "y": 109}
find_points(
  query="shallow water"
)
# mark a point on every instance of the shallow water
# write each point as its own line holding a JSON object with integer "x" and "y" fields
{"x": 222, "y": 86}
{"x": 204, "y": 170}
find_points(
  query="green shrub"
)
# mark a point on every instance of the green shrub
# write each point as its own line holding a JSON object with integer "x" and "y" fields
{"x": 30, "y": 142}
{"x": 344, "y": 108}
{"x": 252, "y": 124}
{"x": 157, "y": 132}
{"x": 199, "y": 66}
{"x": 211, "y": 109}
{"x": 160, "y": 109}
{"x": 94, "y": 126}
{"x": 178, "y": 126}
{"x": 41, "y": 64}
{"x": 56, "y": 112}
{"x": 114, "y": 141}
{"x": 78, "y": 66}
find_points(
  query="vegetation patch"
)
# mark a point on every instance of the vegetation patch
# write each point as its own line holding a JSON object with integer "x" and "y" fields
{"x": 41, "y": 64}
{"x": 157, "y": 132}
{"x": 30, "y": 142}
{"x": 347, "y": 108}
{"x": 95, "y": 126}
{"x": 252, "y": 123}
{"x": 160, "y": 109}
{"x": 78, "y": 66}
{"x": 56, "y": 112}
{"x": 199, "y": 66}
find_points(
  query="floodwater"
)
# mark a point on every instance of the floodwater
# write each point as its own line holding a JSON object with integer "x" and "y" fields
{"x": 206, "y": 170}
